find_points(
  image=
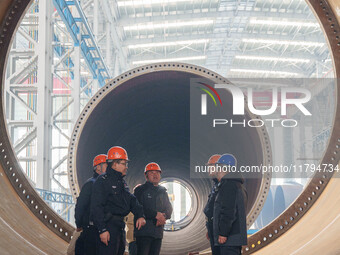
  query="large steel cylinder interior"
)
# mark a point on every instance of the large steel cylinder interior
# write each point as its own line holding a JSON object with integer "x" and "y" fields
{"x": 149, "y": 115}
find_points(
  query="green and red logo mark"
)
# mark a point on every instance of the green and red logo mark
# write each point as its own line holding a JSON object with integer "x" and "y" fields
{"x": 204, "y": 97}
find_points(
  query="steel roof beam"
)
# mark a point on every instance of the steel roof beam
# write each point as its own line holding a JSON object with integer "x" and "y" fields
{"x": 128, "y": 21}
{"x": 234, "y": 36}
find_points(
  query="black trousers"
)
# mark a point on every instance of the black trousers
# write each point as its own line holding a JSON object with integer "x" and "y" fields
{"x": 148, "y": 245}
{"x": 116, "y": 244}
{"x": 215, "y": 250}
{"x": 133, "y": 248}
{"x": 88, "y": 242}
{"x": 230, "y": 250}
{"x": 79, "y": 248}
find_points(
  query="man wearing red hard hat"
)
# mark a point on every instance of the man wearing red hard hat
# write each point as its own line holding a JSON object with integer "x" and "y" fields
{"x": 157, "y": 209}
{"x": 88, "y": 241}
{"x": 111, "y": 201}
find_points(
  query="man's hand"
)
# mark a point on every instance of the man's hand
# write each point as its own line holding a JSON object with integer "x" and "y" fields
{"x": 207, "y": 235}
{"x": 160, "y": 223}
{"x": 160, "y": 217}
{"x": 79, "y": 229}
{"x": 140, "y": 223}
{"x": 222, "y": 239}
{"x": 105, "y": 237}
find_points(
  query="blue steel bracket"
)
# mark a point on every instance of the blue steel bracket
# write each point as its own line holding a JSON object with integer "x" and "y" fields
{"x": 55, "y": 197}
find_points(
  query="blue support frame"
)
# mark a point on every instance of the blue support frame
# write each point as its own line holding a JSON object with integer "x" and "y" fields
{"x": 93, "y": 63}
{"x": 55, "y": 197}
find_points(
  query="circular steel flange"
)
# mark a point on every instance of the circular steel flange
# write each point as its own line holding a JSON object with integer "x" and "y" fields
{"x": 279, "y": 226}
{"x": 123, "y": 83}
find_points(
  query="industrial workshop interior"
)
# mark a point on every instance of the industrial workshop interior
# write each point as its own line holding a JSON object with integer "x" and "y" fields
{"x": 165, "y": 85}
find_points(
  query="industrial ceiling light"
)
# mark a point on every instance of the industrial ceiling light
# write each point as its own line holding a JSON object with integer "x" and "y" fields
{"x": 280, "y": 42}
{"x": 148, "y": 2}
{"x": 168, "y": 60}
{"x": 293, "y": 60}
{"x": 284, "y": 23}
{"x": 163, "y": 44}
{"x": 169, "y": 25}
{"x": 264, "y": 72}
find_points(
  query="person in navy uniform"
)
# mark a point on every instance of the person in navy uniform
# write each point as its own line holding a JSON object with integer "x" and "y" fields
{"x": 229, "y": 217}
{"x": 111, "y": 201}
{"x": 130, "y": 228}
{"x": 209, "y": 207}
{"x": 157, "y": 209}
{"x": 88, "y": 241}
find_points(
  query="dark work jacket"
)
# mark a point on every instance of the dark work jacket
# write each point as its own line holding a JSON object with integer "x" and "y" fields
{"x": 209, "y": 207}
{"x": 154, "y": 199}
{"x": 229, "y": 219}
{"x": 82, "y": 209}
{"x": 111, "y": 196}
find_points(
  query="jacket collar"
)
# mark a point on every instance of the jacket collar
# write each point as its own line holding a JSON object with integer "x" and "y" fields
{"x": 114, "y": 173}
{"x": 150, "y": 185}
{"x": 232, "y": 177}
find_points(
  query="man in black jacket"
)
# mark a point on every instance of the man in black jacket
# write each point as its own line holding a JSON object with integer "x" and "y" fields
{"x": 157, "y": 209}
{"x": 229, "y": 218}
{"x": 209, "y": 207}
{"x": 111, "y": 201}
{"x": 88, "y": 241}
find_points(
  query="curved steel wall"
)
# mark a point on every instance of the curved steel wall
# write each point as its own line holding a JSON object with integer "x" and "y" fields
{"x": 147, "y": 111}
{"x": 44, "y": 232}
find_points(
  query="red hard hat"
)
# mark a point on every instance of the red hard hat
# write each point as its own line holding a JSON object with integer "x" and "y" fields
{"x": 101, "y": 158}
{"x": 213, "y": 159}
{"x": 152, "y": 167}
{"x": 117, "y": 152}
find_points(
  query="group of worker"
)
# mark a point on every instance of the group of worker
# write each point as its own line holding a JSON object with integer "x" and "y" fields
{"x": 105, "y": 201}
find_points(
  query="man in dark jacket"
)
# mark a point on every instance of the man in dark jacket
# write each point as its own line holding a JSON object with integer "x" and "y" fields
{"x": 111, "y": 201}
{"x": 88, "y": 241}
{"x": 229, "y": 218}
{"x": 209, "y": 207}
{"x": 157, "y": 209}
